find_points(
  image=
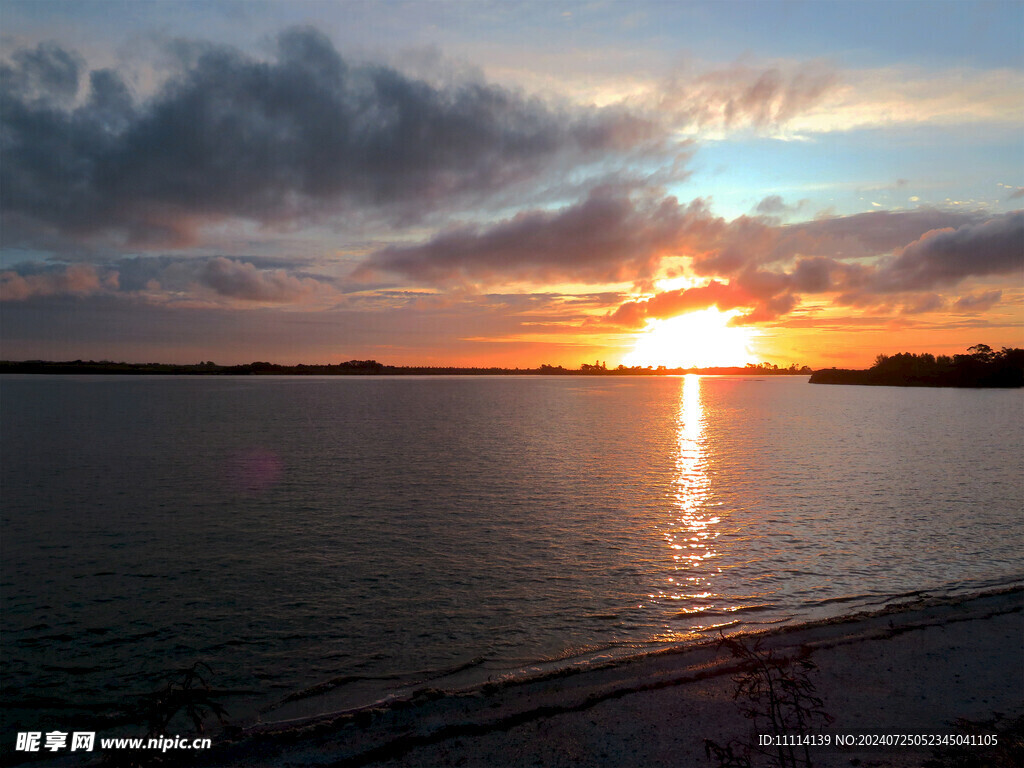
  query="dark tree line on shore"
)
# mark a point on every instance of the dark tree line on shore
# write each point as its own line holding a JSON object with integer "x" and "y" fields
{"x": 981, "y": 367}
{"x": 373, "y": 368}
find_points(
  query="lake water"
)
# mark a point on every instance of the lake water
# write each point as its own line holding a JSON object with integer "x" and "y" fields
{"x": 385, "y": 532}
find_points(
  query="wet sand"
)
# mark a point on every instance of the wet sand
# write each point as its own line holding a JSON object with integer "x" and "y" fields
{"x": 911, "y": 668}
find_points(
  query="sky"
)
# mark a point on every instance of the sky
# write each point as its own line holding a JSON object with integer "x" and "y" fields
{"x": 510, "y": 183}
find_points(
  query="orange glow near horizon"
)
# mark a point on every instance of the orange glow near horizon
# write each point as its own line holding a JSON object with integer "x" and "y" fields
{"x": 696, "y": 339}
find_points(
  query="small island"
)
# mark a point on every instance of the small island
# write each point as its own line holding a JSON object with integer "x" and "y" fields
{"x": 982, "y": 367}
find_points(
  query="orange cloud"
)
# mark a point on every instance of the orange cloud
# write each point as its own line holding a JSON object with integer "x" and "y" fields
{"x": 633, "y": 314}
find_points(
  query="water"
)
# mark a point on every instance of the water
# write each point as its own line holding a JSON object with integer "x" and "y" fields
{"x": 378, "y": 532}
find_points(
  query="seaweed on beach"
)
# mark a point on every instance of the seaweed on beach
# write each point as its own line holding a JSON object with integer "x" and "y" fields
{"x": 778, "y": 695}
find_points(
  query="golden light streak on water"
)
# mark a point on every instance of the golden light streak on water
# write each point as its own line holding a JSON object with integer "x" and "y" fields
{"x": 691, "y": 533}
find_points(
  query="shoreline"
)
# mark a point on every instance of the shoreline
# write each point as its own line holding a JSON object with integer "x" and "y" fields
{"x": 397, "y": 372}
{"x": 899, "y": 659}
{"x": 331, "y": 698}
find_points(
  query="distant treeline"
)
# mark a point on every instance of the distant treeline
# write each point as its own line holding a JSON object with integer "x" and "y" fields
{"x": 982, "y": 367}
{"x": 373, "y": 368}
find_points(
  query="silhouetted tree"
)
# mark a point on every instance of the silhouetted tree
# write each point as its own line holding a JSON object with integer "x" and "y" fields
{"x": 982, "y": 352}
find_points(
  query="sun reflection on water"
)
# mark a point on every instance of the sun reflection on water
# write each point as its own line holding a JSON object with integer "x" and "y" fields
{"x": 691, "y": 532}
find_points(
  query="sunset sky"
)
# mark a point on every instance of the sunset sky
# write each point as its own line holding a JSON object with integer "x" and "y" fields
{"x": 503, "y": 183}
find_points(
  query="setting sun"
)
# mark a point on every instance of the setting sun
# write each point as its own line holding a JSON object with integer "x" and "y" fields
{"x": 696, "y": 339}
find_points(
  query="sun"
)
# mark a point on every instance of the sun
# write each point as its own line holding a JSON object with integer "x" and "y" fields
{"x": 702, "y": 339}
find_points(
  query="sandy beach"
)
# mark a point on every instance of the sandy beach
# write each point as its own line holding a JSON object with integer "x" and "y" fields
{"x": 910, "y": 669}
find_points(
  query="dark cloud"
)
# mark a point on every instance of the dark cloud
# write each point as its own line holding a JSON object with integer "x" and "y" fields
{"x": 1017, "y": 194}
{"x": 231, "y": 136}
{"x": 609, "y": 237}
{"x": 136, "y": 273}
{"x": 751, "y": 241}
{"x": 936, "y": 259}
{"x": 870, "y": 234}
{"x": 46, "y": 74}
{"x": 242, "y": 280}
{"x": 945, "y": 257}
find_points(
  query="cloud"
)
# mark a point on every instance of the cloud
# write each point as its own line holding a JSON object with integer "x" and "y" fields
{"x": 304, "y": 134}
{"x": 939, "y": 258}
{"x": 767, "y": 294}
{"x": 873, "y": 260}
{"x": 633, "y": 314}
{"x": 747, "y": 241}
{"x": 608, "y": 237}
{"x": 163, "y": 279}
{"x": 819, "y": 274}
{"x": 745, "y": 96}
{"x": 908, "y": 96}
{"x": 613, "y": 236}
{"x": 928, "y": 302}
{"x": 768, "y": 310}
{"x": 979, "y": 302}
{"x": 74, "y": 279}
{"x": 772, "y": 206}
{"x": 1017, "y": 194}
{"x": 178, "y": 272}
{"x": 876, "y": 261}
{"x": 789, "y": 99}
